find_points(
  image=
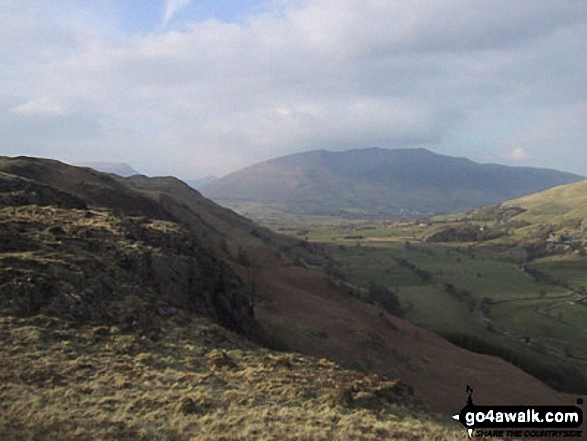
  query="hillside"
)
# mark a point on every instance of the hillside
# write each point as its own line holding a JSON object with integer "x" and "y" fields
{"x": 560, "y": 206}
{"x": 164, "y": 198}
{"x": 548, "y": 221}
{"x": 142, "y": 255}
{"x": 196, "y": 381}
{"x": 376, "y": 181}
{"x": 62, "y": 258}
{"x": 109, "y": 326}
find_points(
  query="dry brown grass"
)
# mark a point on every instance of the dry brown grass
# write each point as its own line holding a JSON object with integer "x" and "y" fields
{"x": 196, "y": 382}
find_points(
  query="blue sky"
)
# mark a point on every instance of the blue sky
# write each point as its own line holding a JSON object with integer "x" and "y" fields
{"x": 148, "y": 16}
{"x": 191, "y": 88}
{"x": 151, "y": 16}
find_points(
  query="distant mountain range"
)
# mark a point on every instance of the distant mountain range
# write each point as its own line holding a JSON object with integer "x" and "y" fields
{"x": 199, "y": 183}
{"x": 118, "y": 168}
{"x": 376, "y": 181}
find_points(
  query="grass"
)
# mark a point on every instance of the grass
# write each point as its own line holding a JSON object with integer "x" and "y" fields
{"x": 563, "y": 203}
{"x": 525, "y": 319}
{"x": 574, "y": 312}
{"x": 572, "y": 270}
{"x": 196, "y": 382}
{"x": 423, "y": 310}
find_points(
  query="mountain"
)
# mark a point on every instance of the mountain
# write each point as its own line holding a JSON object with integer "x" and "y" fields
{"x": 199, "y": 183}
{"x": 118, "y": 168}
{"x": 119, "y": 266}
{"x": 376, "y": 181}
{"x": 163, "y": 198}
{"x": 95, "y": 251}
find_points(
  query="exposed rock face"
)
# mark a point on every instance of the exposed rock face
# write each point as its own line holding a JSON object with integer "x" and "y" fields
{"x": 60, "y": 258}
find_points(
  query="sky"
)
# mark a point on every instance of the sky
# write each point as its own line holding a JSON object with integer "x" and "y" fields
{"x": 197, "y": 87}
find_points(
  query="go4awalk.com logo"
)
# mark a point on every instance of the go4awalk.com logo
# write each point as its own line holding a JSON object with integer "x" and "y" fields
{"x": 521, "y": 421}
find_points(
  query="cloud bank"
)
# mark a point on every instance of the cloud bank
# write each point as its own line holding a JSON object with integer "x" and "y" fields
{"x": 493, "y": 80}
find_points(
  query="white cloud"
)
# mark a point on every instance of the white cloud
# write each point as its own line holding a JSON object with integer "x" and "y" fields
{"x": 38, "y": 107}
{"x": 516, "y": 154}
{"x": 172, "y": 7}
{"x": 461, "y": 77}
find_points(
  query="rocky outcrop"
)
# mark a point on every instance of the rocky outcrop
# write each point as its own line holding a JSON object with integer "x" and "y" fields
{"x": 60, "y": 258}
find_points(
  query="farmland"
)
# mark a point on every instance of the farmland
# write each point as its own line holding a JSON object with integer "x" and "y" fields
{"x": 487, "y": 296}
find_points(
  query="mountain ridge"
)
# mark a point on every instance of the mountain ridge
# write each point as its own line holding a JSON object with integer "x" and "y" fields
{"x": 377, "y": 181}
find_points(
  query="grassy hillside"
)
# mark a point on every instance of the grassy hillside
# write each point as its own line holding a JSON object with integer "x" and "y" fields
{"x": 375, "y": 182}
{"x": 539, "y": 218}
{"x": 564, "y": 206}
{"x": 481, "y": 300}
{"x": 196, "y": 381}
{"x": 93, "y": 266}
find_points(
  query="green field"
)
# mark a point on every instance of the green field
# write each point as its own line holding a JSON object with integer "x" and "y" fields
{"x": 572, "y": 270}
{"x": 551, "y": 333}
{"x": 476, "y": 294}
{"x": 513, "y": 327}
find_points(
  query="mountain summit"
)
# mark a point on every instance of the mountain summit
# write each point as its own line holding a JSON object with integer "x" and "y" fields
{"x": 377, "y": 181}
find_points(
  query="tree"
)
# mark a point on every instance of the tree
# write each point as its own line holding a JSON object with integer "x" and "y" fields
{"x": 384, "y": 297}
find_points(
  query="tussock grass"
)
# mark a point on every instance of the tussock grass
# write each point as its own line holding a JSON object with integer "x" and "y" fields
{"x": 196, "y": 382}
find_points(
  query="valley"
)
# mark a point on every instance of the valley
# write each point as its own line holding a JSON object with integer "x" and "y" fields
{"x": 159, "y": 311}
{"x": 507, "y": 280}
{"x": 297, "y": 220}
